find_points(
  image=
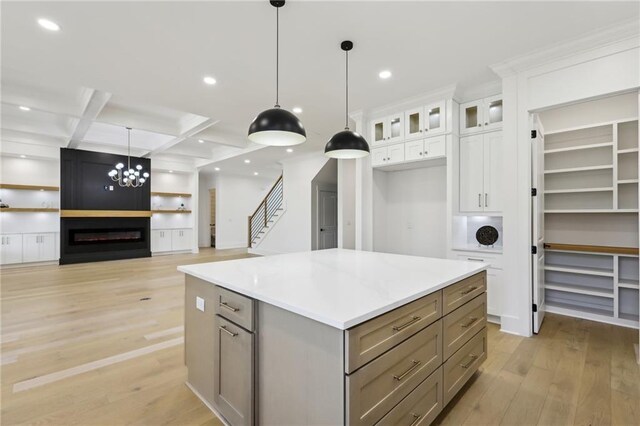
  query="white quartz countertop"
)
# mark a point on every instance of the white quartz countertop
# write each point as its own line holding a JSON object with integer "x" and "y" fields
{"x": 338, "y": 287}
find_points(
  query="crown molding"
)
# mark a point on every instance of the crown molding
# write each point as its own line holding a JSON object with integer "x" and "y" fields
{"x": 446, "y": 92}
{"x": 478, "y": 92}
{"x": 627, "y": 30}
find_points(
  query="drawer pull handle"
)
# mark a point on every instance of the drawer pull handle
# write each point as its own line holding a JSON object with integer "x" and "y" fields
{"x": 416, "y": 419}
{"x": 469, "y": 290}
{"x": 475, "y": 259}
{"x": 409, "y": 370}
{"x": 230, "y": 333}
{"x": 229, "y": 307}
{"x": 406, "y": 324}
{"x": 470, "y": 323}
{"x": 470, "y": 363}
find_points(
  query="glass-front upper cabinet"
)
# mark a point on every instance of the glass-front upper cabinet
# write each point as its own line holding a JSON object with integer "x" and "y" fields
{"x": 435, "y": 119}
{"x": 378, "y": 131}
{"x": 471, "y": 117}
{"x": 493, "y": 113}
{"x": 396, "y": 127}
{"x": 414, "y": 123}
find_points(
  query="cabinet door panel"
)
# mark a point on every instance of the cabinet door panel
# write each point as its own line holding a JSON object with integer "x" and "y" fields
{"x": 471, "y": 117}
{"x": 233, "y": 372}
{"x": 378, "y": 156}
{"x": 435, "y": 118}
{"x": 471, "y": 173}
{"x": 494, "y": 290}
{"x": 378, "y": 131}
{"x": 413, "y": 123}
{"x": 492, "y": 196}
{"x": 396, "y": 127}
{"x": 493, "y": 113}
{"x": 435, "y": 147}
{"x": 414, "y": 150}
{"x": 30, "y": 247}
{"x": 395, "y": 154}
{"x": 11, "y": 249}
{"x": 47, "y": 247}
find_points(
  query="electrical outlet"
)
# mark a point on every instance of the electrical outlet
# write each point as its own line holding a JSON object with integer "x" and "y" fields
{"x": 200, "y": 303}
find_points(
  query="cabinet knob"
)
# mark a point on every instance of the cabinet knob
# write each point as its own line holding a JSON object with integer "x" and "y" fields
{"x": 479, "y": 124}
{"x": 420, "y": 153}
{"x": 486, "y": 124}
{"x": 426, "y": 130}
{"x": 420, "y": 130}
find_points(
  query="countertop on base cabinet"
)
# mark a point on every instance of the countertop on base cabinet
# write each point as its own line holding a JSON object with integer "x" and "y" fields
{"x": 254, "y": 362}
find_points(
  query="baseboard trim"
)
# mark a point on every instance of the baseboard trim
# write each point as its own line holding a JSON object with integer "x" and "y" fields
{"x": 512, "y": 325}
{"x": 231, "y": 246}
{"x": 29, "y": 264}
{"x": 209, "y": 406}
{"x": 262, "y": 252}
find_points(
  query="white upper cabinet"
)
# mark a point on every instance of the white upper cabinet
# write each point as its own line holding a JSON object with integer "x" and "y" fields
{"x": 481, "y": 115}
{"x": 414, "y": 150}
{"x": 480, "y": 167}
{"x": 388, "y": 129}
{"x": 414, "y": 123}
{"x": 379, "y": 156}
{"x": 435, "y": 119}
{"x": 387, "y": 155}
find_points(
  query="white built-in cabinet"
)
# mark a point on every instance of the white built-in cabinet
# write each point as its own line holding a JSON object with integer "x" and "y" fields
{"x": 425, "y": 121}
{"x": 388, "y": 129}
{"x": 168, "y": 240}
{"x": 425, "y": 149}
{"x": 11, "y": 251}
{"x": 481, "y": 115}
{"x": 38, "y": 247}
{"x": 29, "y": 247}
{"x": 495, "y": 285}
{"x": 480, "y": 168}
{"x": 387, "y": 155}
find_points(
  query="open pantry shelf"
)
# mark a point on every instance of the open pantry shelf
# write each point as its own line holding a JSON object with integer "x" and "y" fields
{"x": 578, "y": 148}
{"x": 574, "y": 288}
{"x": 579, "y": 169}
{"x": 574, "y": 190}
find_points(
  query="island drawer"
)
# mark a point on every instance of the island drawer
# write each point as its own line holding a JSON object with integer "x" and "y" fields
{"x": 463, "y": 323}
{"x": 421, "y": 406}
{"x": 376, "y": 388}
{"x": 460, "y": 293}
{"x": 376, "y": 336}
{"x": 461, "y": 366}
{"x": 235, "y": 307}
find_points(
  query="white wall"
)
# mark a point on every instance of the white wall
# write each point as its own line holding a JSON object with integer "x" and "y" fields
{"x": 293, "y": 231}
{"x": 410, "y": 211}
{"x": 29, "y": 171}
{"x": 207, "y": 181}
{"x": 326, "y": 179}
{"x": 236, "y": 199}
{"x": 346, "y": 204}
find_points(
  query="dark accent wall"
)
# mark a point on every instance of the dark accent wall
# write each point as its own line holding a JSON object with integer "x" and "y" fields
{"x": 83, "y": 178}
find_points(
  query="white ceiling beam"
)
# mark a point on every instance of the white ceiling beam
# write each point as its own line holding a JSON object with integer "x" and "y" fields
{"x": 183, "y": 136}
{"x": 96, "y": 103}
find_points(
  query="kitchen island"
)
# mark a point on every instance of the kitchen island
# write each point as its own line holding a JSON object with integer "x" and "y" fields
{"x": 333, "y": 337}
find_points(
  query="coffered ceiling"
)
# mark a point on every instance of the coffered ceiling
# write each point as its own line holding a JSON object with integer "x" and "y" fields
{"x": 141, "y": 64}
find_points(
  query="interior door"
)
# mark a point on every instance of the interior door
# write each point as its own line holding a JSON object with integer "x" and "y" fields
{"x": 327, "y": 219}
{"x": 471, "y": 174}
{"x": 537, "y": 218}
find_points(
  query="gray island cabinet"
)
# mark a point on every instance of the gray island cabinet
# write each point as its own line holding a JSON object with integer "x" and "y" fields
{"x": 333, "y": 337}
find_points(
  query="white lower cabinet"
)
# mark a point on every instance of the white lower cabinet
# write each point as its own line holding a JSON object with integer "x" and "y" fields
{"x": 495, "y": 286}
{"x": 166, "y": 240}
{"x": 38, "y": 247}
{"x": 11, "y": 251}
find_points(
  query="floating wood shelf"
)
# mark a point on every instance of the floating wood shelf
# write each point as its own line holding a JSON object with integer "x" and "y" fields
{"x": 592, "y": 249}
{"x": 171, "y": 211}
{"x": 105, "y": 213}
{"x": 28, "y": 210}
{"x": 29, "y": 187}
{"x": 171, "y": 194}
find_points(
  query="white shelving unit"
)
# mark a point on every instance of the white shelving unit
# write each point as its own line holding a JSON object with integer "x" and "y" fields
{"x": 591, "y": 180}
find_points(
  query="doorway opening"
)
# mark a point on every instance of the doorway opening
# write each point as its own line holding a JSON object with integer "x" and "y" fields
{"x": 212, "y": 215}
{"x": 324, "y": 207}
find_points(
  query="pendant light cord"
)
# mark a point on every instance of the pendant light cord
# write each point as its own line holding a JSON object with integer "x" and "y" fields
{"x": 128, "y": 148}
{"x": 346, "y": 111}
{"x": 277, "y": 56}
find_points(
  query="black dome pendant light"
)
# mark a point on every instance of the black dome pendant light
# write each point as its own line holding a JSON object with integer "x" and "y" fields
{"x": 276, "y": 126}
{"x": 347, "y": 144}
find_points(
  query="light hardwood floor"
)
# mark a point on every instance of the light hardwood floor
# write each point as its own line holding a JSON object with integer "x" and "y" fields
{"x": 80, "y": 347}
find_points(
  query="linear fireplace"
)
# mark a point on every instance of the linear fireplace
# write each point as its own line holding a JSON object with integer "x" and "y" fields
{"x": 107, "y": 238}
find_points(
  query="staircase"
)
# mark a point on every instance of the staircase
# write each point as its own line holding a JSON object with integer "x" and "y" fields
{"x": 266, "y": 215}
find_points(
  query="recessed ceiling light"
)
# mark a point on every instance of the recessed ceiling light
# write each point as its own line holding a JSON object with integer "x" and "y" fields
{"x": 289, "y": 150}
{"x": 384, "y": 74}
{"x": 23, "y": 156}
{"x": 297, "y": 110}
{"x": 217, "y": 169}
{"x": 200, "y": 140}
{"x": 255, "y": 173}
{"x": 48, "y": 24}
{"x": 170, "y": 171}
{"x": 24, "y": 108}
{"x": 247, "y": 161}
{"x": 209, "y": 80}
